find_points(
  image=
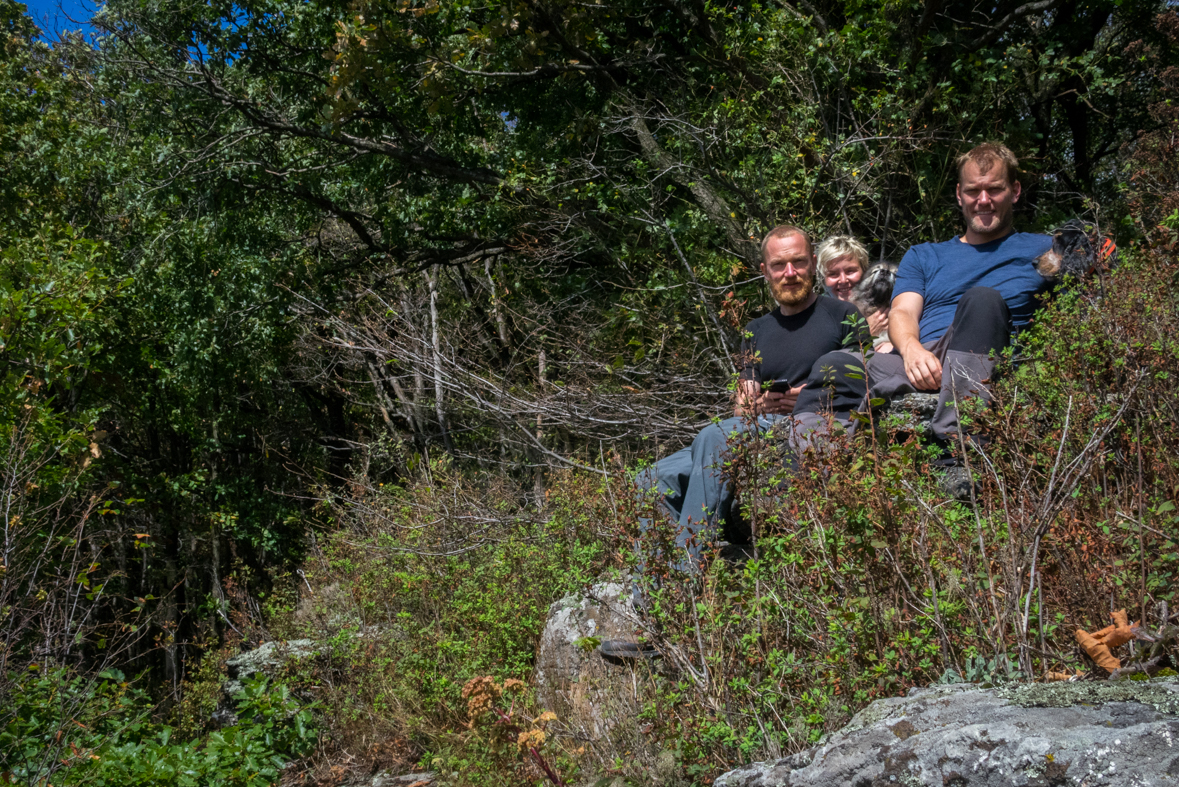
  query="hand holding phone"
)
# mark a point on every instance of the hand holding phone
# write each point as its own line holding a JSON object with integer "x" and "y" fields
{"x": 779, "y": 398}
{"x": 779, "y": 386}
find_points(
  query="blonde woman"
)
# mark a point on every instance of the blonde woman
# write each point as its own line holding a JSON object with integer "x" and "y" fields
{"x": 842, "y": 262}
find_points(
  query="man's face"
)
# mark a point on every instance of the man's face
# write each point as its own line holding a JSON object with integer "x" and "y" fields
{"x": 987, "y": 200}
{"x": 789, "y": 270}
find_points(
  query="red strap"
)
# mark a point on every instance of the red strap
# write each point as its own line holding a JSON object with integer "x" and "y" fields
{"x": 1107, "y": 250}
{"x": 1105, "y": 253}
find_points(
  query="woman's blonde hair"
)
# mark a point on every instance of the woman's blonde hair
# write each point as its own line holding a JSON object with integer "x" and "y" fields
{"x": 838, "y": 246}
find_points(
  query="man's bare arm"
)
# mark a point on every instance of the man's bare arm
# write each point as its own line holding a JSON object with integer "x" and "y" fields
{"x": 922, "y": 367}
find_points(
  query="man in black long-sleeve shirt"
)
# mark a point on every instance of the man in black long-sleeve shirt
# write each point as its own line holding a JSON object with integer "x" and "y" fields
{"x": 803, "y": 351}
{"x": 803, "y": 347}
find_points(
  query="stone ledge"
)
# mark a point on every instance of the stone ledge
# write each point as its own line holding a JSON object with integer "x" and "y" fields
{"x": 1092, "y": 733}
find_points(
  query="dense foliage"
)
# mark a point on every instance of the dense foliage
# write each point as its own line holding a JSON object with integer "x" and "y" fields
{"x": 101, "y": 733}
{"x": 261, "y": 258}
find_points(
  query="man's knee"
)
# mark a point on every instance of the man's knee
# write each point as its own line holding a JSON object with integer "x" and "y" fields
{"x": 837, "y": 382}
{"x": 983, "y": 299}
{"x": 982, "y": 322}
{"x": 709, "y": 444}
{"x": 835, "y": 368}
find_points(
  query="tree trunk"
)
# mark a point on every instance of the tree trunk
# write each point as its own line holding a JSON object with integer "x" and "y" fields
{"x": 436, "y": 349}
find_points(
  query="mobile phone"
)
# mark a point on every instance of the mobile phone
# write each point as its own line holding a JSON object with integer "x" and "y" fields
{"x": 780, "y": 386}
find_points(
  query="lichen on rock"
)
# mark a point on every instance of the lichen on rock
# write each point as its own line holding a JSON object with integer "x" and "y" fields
{"x": 1096, "y": 733}
{"x": 1162, "y": 695}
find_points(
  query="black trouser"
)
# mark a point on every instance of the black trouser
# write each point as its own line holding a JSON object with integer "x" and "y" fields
{"x": 837, "y": 383}
{"x": 980, "y": 330}
{"x": 982, "y": 323}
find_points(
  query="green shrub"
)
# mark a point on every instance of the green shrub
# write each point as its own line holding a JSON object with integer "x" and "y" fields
{"x": 425, "y": 586}
{"x": 867, "y": 581}
{"x": 65, "y": 729}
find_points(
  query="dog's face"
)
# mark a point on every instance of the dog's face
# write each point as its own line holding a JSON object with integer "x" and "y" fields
{"x": 1076, "y": 251}
{"x": 874, "y": 291}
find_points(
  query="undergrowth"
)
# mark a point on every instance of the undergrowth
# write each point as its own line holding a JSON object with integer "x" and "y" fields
{"x": 420, "y": 589}
{"x": 865, "y": 580}
{"x": 65, "y": 729}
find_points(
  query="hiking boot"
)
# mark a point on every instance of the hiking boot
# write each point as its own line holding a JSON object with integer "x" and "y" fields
{"x": 620, "y": 650}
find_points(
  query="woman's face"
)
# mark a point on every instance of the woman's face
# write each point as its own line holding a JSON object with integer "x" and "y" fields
{"x": 842, "y": 274}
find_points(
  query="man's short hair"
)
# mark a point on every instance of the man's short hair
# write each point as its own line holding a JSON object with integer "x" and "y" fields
{"x": 838, "y": 246}
{"x": 987, "y": 155}
{"x": 785, "y": 231}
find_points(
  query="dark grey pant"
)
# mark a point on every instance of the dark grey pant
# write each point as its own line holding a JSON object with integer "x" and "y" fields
{"x": 981, "y": 328}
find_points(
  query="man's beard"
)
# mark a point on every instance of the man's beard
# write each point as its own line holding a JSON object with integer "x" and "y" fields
{"x": 794, "y": 292}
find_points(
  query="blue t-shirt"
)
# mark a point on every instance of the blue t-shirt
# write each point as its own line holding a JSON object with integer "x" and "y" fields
{"x": 942, "y": 272}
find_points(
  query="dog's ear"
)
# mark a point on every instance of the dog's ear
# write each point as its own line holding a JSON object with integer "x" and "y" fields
{"x": 1077, "y": 225}
{"x": 1048, "y": 263}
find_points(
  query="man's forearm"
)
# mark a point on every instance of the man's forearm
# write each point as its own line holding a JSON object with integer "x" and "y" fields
{"x": 903, "y": 331}
{"x": 747, "y": 391}
{"x": 922, "y": 367}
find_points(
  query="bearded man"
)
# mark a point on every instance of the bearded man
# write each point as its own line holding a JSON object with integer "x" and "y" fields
{"x": 803, "y": 349}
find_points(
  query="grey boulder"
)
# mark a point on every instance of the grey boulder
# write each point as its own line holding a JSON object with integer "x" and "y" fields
{"x": 265, "y": 659}
{"x": 1095, "y": 734}
{"x": 572, "y": 679}
{"x": 914, "y": 411}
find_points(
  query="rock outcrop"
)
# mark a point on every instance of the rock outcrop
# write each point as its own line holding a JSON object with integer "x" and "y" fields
{"x": 915, "y": 410}
{"x": 1097, "y": 734}
{"x": 264, "y": 659}
{"x": 572, "y": 678}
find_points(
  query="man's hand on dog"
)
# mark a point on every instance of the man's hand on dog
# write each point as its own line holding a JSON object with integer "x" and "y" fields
{"x": 923, "y": 368}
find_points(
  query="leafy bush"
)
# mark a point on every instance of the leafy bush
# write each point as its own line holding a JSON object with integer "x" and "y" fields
{"x": 65, "y": 729}
{"x": 509, "y": 740}
{"x": 428, "y": 585}
{"x": 866, "y": 581}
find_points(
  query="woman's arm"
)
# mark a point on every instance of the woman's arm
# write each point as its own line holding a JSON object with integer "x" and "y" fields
{"x": 878, "y": 322}
{"x": 878, "y": 325}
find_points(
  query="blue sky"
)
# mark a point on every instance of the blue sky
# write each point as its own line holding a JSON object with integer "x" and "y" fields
{"x": 54, "y": 16}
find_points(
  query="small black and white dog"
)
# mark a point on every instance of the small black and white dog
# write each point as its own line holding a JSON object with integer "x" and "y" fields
{"x": 1078, "y": 250}
{"x": 873, "y": 291}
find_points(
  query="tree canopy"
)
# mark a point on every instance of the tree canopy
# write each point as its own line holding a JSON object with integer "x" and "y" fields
{"x": 245, "y": 239}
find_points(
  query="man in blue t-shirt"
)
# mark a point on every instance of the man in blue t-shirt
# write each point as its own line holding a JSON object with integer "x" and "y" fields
{"x": 956, "y": 304}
